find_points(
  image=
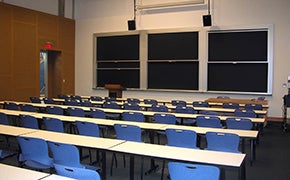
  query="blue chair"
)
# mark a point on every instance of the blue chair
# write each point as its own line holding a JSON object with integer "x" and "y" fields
{"x": 63, "y": 96}
{"x": 54, "y": 110}
{"x": 208, "y": 121}
{"x": 34, "y": 153}
{"x": 181, "y": 138}
{"x": 88, "y": 129}
{"x": 68, "y": 155}
{"x": 128, "y": 133}
{"x": 48, "y": 101}
{"x": 261, "y": 98}
{"x": 96, "y": 98}
{"x": 128, "y": 106}
{"x": 245, "y": 113}
{"x": 71, "y": 102}
{"x": 98, "y": 113}
{"x": 226, "y": 142}
{"x": 86, "y": 104}
{"x": 183, "y": 171}
{"x": 200, "y": 104}
{"x": 239, "y": 123}
{"x": 53, "y": 124}
{"x": 185, "y": 110}
{"x": 163, "y": 119}
{"x": 4, "y": 119}
{"x": 10, "y": 106}
{"x": 150, "y": 101}
{"x": 76, "y": 98}
{"x": 178, "y": 103}
{"x": 35, "y": 100}
{"x": 110, "y": 99}
{"x": 111, "y": 105}
{"x": 231, "y": 105}
{"x": 133, "y": 101}
{"x": 76, "y": 112}
{"x": 212, "y": 113}
{"x": 76, "y": 172}
{"x": 27, "y": 108}
{"x": 253, "y": 107}
{"x": 133, "y": 116}
{"x": 159, "y": 108}
{"x": 29, "y": 121}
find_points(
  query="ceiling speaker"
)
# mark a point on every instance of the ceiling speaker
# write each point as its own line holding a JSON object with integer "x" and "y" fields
{"x": 206, "y": 20}
{"x": 131, "y": 25}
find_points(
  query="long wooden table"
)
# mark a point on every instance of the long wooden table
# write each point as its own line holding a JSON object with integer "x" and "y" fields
{"x": 222, "y": 159}
{"x": 220, "y": 101}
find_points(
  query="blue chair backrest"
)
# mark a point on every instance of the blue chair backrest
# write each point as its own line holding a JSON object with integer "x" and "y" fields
{"x": 54, "y": 110}
{"x": 208, "y": 121}
{"x": 97, "y": 113}
{"x": 133, "y": 101}
{"x": 200, "y": 104}
{"x": 133, "y": 116}
{"x": 111, "y": 105}
{"x": 150, "y": 101}
{"x": 110, "y": 99}
{"x": 10, "y": 106}
{"x": 76, "y": 173}
{"x": 180, "y": 171}
{"x": 27, "y": 108}
{"x": 76, "y": 97}
{"x": 65, "y": 154}
{"x": 128, "y": 132}
{"x": 29, "y": 122}
{"x": 3, "y": 119}
{"x": 96, "y": 98}
{"x": 254, "y": 107}
{"x": 71, "y": 103}
{"x": 63, "y": 96}
{"x": 159, "y": 108}
{"x": 53, "y": 124}
{"x": 48, "y": 101}
{"x": 231, "y": 105}
{"x": 35, "y": 100}
{"x": 164, "y": 118}
{"x": 86, "y": 104}
{"x": 181, "y": 138}
{"x": 128, "y": 106}
{"x": 223, "y": 97}
{"x": 185, "y": 110}
{"x": 178, "y": 103}
{"x": 76, "y": 112}
{"x": 239, "y": 123}
{"x": 34, "y": 149}
{"x": 245, "y": 113}
{"x": 88, "y": 129}
{"x": 226, "y": 142}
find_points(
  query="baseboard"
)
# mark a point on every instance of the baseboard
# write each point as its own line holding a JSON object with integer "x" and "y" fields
{"x": 276, "y": 119}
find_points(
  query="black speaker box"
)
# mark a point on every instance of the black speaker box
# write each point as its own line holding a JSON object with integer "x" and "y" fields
{"x": 131, "y": 25}
{"x": 206, "y": 20}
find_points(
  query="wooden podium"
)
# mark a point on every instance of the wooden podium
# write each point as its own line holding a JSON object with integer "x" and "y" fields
{"x": 115, "y": 90}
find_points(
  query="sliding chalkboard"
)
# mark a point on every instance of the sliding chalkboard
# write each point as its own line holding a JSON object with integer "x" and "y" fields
{"x": 117, "y": 60}
{"x": 173, "y": 75}
{"x": 124, "y": 47}
{"x": 173, "y": 46}
{"x": 238, "y": 46}
{"x": 241, "y": 77}
{"x": 127, "y": 78}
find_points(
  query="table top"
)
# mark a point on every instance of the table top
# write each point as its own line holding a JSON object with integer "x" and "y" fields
{"x": 181, "y": 154}
{"x": 239, "y": 101}
{"x": 15, "y": 131}
{"x": 79, "y": 140}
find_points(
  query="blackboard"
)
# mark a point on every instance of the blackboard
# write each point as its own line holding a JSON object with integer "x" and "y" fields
{"x": 117, "y": 60}
{"x": 173, "y": 46}
{"x": 243, "y": 77}
{"x": 238, "y": 46}
{"x": 173, "y": 75}
{"x": 124, "y": 47}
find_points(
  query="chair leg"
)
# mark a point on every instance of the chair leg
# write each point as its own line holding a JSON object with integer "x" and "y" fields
{"x": 142, "y": 167}
{"x": 114, "y": 157}
{"x": 163, "y": 166}
{"x": 124, "y": 159}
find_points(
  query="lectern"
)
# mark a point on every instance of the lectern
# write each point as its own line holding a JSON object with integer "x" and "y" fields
{"x": 115, "y": 90}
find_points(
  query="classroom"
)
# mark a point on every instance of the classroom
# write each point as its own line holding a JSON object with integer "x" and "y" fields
{"x": 153, "y": 49}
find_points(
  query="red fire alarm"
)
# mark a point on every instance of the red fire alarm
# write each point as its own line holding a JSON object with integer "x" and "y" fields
{"x": 48, "y": 45}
